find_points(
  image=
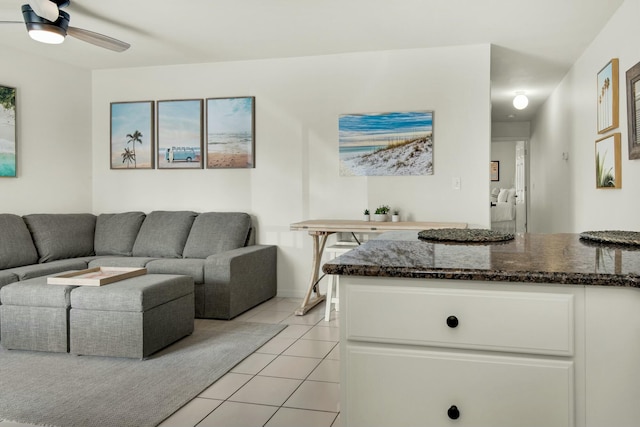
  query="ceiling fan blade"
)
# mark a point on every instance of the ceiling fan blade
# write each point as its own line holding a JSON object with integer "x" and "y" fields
{"x": 45, "y": 9}
{"x": 98, "y": 39}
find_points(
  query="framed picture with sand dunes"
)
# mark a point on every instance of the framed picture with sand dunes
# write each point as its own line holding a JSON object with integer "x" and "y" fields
{"x": 180, "y": 131}
{"x": 231, "y": 132}
{"x": 8, "y": 150}
{"x": 607, "y": 97}
{"x": 608, "y": 159}
{"x": 132, "y": 135}
{"x": 384, "y": 144}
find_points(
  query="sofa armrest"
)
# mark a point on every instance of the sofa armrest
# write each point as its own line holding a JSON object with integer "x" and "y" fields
{"x": 237, "y": 280}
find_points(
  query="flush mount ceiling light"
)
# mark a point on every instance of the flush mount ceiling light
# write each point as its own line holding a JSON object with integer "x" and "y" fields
{"x": 520, "y": 101}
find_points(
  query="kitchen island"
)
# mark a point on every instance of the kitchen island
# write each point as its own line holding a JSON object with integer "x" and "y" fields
{"x": 542, "y": 330}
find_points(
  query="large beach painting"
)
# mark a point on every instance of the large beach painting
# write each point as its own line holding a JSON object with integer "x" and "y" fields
{"x": 180, "y": 130}
{"x": 231, "y": 132}
{"x": 132, "y": 135}
{"x": 383, "y": 144}
{"x": 7, "y": 131}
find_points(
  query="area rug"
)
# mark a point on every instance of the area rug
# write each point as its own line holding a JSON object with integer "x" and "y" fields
{"x": 64, "y": 390}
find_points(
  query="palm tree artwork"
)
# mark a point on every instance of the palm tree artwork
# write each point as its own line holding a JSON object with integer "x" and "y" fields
{"x": 128, "y": 156}
{"x": 133, "y": 138}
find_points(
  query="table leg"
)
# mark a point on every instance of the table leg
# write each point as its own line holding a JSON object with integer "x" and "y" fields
{"x": 319, "y": 241}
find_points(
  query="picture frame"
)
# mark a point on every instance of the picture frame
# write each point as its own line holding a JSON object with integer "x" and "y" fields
{"x": 608, "y": 162}
{"x": 398, "y": 143}
{"x": 633, "y": 111}
{"x": 132, "y": 135}
{"x": 607, "y": 97}
{"x": 231, "y": 133}
{"x": 494, "y": 170}
{"x": 180, "y": 134}
{"x": 8, "y": 133}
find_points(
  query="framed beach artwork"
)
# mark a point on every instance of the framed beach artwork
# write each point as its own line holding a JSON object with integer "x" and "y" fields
{"x": 608, "y": 161}
{"x": 386, "y": 144}
{"x": 180, "y": 134}
{"x": 633, "y": 111}
{"x": 132, "y": 135}
{"x": 494, "y": 170}
{"x": 607, "y": 97}
{"x": 8, "y": 150}
{"x": 231, "y": 132}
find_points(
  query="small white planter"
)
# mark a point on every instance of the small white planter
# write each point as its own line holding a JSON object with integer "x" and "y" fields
{"x": 380, "y": 217}
{"x": 395, "y": 218}
{"x": 366, "y": 218}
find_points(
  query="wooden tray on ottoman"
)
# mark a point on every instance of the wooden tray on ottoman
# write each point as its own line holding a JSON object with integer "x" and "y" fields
{"x": 96, "y": 276}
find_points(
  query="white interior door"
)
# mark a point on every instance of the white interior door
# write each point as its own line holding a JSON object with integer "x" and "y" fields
{"x": 521, "y": 187}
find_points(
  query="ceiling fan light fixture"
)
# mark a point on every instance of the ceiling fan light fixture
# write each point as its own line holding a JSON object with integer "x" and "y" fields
{"x": 520, "y": 101}
{"x": 45, "y": 31}
{"x": 50, "y": 35}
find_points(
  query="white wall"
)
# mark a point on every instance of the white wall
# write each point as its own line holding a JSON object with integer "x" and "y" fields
{"x": 298, "y": 101}
{"x": 563, "y": 193}
{"x": 505, "y": 153}
{"x": 53, "y": 136}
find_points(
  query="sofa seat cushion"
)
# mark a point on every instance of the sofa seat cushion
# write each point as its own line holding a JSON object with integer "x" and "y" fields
{"x": 163, "y": 234}
{"x": 116, "y": 233}
{"x": 62, "y": 236}
{"x": 50, "y": 268}
{"x": 16, "y": 246}
{"x": 120, "y": 261}
{"x": 138, "y": 294}
{"x": 186, "y": 267}
{"x": 36, "y": 293}
{"x": 216, "y": 232}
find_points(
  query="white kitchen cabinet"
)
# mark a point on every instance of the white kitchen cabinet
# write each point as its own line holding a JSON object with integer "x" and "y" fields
{"x": 513, "y": 356}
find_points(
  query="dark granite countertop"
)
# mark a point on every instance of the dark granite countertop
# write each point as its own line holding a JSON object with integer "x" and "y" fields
{"x": 532, "y": 258}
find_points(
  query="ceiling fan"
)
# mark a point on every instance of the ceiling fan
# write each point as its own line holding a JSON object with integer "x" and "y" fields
{"x": 48, "y": 24}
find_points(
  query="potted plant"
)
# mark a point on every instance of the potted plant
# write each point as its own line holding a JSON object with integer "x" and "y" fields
{"x": 366, "y": 215}
{"x": 396, "y": 216}
{"x": 381, "y": 213}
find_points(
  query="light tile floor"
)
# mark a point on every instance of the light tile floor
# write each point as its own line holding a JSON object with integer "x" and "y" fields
{"x": 292, "y": 380}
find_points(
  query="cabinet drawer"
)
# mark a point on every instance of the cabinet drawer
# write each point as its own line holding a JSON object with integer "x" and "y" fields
{"x": 522, "y": 322}
{"x": 409, "y": 387}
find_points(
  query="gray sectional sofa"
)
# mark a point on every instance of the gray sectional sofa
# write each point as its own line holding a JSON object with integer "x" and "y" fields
{"x": 217, "y": 249}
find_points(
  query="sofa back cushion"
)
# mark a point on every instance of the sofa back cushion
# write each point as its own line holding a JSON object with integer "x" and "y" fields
{"x": 116, "y": 233}
{"x": 215, "y": 232}
{"x": 163, "y": 234}
{"x": 16, "y": 247}
{"x": 62, "y": 236}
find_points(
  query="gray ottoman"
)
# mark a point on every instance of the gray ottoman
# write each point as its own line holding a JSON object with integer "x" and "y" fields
{"x": 131, "y": 318}
{"x": 34, "y": 316}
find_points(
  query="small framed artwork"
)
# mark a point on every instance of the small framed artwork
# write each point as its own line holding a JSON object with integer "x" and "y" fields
{"x": 608, "y": 161}
{"x": 607, "y": 97}
{"x": 8, "y": 151}
{"x": 180, "y": 132}
{"x": 633, "y": 111}
{"x": 231, "y": 132}
{"x": 494, "y": 170}
{"x": 132, "y": 135}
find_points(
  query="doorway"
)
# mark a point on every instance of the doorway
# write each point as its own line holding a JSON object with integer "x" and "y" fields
{"x": 509, "y": 193}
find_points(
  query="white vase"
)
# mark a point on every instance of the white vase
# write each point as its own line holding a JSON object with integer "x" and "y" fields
{"x": 380, "y": 217}
{"x": 366, "y": 218}
{"x": 395, "y": 218}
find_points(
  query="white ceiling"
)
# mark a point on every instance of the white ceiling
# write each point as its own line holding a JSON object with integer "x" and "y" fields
{"x": 534, "y": 42}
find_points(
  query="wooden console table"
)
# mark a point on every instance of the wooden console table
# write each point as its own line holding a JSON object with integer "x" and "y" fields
{"x": 320, "y": 229}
